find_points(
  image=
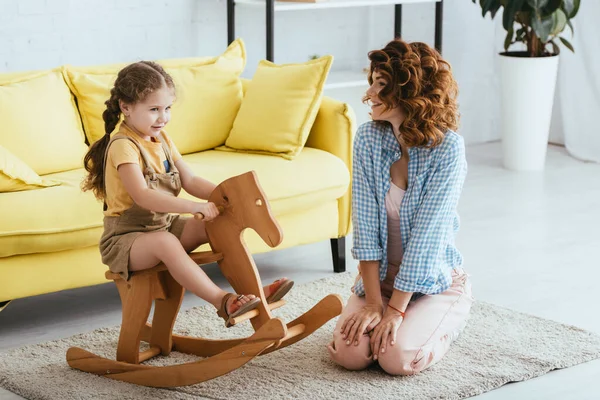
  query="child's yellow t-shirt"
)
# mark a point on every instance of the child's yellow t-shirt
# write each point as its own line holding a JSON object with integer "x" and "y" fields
{"x": 123, "y": 152}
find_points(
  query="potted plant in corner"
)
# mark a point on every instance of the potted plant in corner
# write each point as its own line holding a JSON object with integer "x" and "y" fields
{"x": 528, "y": 75}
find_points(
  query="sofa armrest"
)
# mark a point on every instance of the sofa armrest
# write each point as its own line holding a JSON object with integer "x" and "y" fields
{"x": 333, "y": 132}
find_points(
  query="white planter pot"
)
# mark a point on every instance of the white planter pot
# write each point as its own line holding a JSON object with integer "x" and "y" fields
{"x": 527, "y": 94}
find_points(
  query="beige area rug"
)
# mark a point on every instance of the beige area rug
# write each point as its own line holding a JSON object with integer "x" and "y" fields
{"x": 497, "y": 346}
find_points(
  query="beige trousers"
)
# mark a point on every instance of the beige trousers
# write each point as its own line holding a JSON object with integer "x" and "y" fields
{"x": 431, "y": 324}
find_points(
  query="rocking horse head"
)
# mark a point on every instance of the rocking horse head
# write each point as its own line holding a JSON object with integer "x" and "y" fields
{"x": 244, "y": 205}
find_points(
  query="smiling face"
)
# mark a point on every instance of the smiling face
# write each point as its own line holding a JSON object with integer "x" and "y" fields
{"x": 149, "y": 116}
{"x": 379, "y": 112}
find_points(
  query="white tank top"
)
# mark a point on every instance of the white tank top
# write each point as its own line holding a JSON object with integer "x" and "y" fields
{"x": 393, "y": 200}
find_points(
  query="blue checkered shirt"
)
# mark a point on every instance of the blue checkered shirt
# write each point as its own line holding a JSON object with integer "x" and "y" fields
{"x": 428, "y": 217}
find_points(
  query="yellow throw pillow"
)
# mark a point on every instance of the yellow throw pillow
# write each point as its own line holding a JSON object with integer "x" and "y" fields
{"x": 208, "y": 99}
{"x": 279, "y": 108}
{"x": 40, "y": 123}
{"x": 91, "y": 90}
{"x": 15, "y": 175}
{"x": 8, "y": 77}
{"x": 209, "y": 94}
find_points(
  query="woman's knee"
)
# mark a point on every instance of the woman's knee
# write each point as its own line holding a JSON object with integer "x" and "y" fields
{"x": 350, "y": 356}
{"x": 399, "y": 361}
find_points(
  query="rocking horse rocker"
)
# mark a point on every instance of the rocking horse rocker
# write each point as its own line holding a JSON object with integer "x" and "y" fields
{"x": 243, "y": 204}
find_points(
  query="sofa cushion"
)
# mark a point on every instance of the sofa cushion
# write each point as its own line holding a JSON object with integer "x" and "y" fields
{"x": 62, "y": 217}
{"x": 15, "y": 175}
{"x": 313, "y": 177}
{"x": 50, "y": 219}
{"x": 279, "y": 108}
{"x": 40, "y": 123}
{"x": 209, "y": 94}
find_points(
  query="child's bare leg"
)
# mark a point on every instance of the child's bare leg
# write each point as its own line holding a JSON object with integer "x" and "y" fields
{"x": 152, "y": 248}
{"x": 194, "y": 235}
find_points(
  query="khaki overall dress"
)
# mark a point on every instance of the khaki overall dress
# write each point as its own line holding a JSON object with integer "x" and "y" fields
{"x": 121, "y": 231}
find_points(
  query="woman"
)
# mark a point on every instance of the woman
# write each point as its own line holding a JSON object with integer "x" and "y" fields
{"x": 411, "y": 298}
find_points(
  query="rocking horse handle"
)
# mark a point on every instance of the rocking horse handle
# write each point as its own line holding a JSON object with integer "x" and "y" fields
{"x": 200, "y": 216}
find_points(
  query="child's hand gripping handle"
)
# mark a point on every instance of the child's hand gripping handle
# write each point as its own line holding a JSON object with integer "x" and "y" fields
{"x": 200, "y": 216}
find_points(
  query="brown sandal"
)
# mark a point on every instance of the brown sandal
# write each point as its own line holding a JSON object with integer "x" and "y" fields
{"x": 281, "y": 291}
{"x": 244, "y": 308}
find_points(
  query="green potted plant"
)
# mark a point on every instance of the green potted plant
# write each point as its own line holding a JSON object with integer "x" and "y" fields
{"x": 528, "y": 74}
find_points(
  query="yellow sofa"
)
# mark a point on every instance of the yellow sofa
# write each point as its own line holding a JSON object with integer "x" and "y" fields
{"x": 49, "y": 228}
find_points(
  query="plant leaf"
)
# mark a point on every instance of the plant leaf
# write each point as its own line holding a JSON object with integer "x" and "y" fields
{"x": 542, "y": 26}
{"x": 511, "y": 8}
{"x": 523, "y": 17}
{"x": 571, "y": 7}
{"x": 567, "y": 44}
{"x": 491, "y": 6}
{"x": 571, "y": 26}
{"x": 495, "y": 9}
{"x": 508, "y": 39}
{"x": 555, "y": 48}
{"x": 560, "y": 21}
{"x": 485, "y": 6}
{"x": 552, "y": 6}
{"x": 538, "y": 4}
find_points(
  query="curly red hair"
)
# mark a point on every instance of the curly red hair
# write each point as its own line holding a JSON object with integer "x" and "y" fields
{"x": 419, "y": 81}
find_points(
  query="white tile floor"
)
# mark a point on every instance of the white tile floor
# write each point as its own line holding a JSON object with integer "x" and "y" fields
{"x": 531, "y": 242}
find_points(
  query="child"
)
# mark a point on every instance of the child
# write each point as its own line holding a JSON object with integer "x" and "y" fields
{"x": 138, "y": 174}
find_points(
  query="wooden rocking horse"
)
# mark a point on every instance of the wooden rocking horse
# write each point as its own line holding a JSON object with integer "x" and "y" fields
{"x": 243, "y": 204}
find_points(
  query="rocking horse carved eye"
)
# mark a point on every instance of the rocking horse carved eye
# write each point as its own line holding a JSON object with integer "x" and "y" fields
{"x": 259, "y": 202}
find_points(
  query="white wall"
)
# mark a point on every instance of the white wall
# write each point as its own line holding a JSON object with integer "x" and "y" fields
{"x": 38, "y": 34}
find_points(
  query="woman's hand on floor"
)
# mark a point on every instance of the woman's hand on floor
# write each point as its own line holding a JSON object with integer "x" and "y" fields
{"x": 361, "y": 322}
{"x": 385, "y": 333}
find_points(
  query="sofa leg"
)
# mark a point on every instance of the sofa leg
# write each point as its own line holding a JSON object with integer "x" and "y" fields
{"x": 338, "y": 252}
{"x": 4, "y": 304}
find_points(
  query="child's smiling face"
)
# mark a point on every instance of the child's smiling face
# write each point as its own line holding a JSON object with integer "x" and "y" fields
{"x": 148, "y": 117}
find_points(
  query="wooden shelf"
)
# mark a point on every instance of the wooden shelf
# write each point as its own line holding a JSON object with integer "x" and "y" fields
{"x": 339, "y": 80}
{"x": 291, "y": 6}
